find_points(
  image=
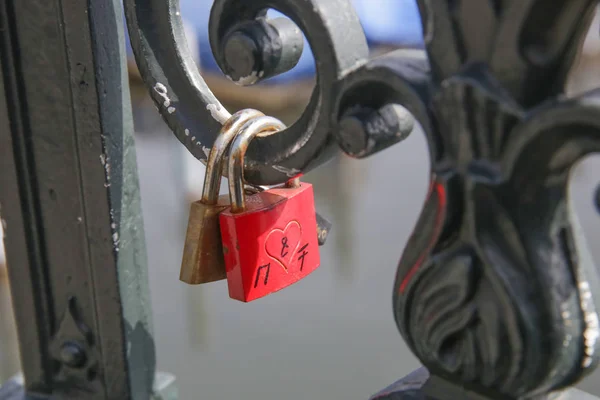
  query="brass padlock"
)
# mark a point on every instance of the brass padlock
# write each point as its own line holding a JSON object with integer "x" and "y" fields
{"x": 203, "y": 260}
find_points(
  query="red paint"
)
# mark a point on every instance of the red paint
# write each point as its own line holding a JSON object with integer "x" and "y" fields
{"x": 272, "y": 244}
{"x": 440, "y": 191}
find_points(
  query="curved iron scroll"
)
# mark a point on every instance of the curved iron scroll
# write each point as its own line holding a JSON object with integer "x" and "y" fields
{"x": 193, "y": 112}
{"x": 494, "y": 290}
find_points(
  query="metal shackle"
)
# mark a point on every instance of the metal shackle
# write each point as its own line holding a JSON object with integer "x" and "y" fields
{"x": 261, "y": 126}
{"x": 214, "y": 164}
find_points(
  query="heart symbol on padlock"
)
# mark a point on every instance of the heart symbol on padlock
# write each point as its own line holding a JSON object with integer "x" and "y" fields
{"x": 282, "y": 244}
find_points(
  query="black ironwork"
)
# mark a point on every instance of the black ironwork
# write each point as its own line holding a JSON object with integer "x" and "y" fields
{"x": 491, "y": 293}
{"x": 492, "y": 290}
{"x": 70, "y": 202}
{"x": 421, "y": 385}
{"x": 195, "y": 115}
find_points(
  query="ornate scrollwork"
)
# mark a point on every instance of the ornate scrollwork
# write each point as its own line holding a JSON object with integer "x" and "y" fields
{"x": 193, "y": 112}
{"x": 493, "y": 289}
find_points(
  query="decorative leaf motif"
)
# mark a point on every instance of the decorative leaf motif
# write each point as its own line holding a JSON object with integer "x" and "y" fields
{"x": 477, "y": 120}
{"x": 530, "y": 45}
{"x": 491, "y": 291}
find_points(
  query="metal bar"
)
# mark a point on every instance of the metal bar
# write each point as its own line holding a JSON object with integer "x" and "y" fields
{"x": 419, "y": 385}
{"x": 70, "y": 202}
{"x": 164, "y": 388}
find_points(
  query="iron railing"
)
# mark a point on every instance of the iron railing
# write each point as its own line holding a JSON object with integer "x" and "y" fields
{"x": 492, "y": 292}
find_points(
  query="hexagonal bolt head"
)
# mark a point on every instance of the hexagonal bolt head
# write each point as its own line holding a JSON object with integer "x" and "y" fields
{"x": 242, "y": 56}
{"x": 72, "y": 355}
{"x": 260, "y": 49}
{"x": 364, "y": 132}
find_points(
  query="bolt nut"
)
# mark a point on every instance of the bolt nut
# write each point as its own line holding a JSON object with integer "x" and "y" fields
{"x": 365, "y": 131}
{"x": 242, "y": 57}
{"x": 72, "y": 355}
{"x": 260, "y": 49}
{"x": 353, "y": 136}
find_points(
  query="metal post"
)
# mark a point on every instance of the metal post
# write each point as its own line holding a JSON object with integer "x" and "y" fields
{"x": 70, "y": 204}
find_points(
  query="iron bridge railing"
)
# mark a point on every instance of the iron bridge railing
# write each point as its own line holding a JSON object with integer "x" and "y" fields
{"x": 494, "y": 292}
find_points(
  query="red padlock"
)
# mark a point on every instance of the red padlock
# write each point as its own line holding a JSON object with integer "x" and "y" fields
{"x": 269, "y": 239}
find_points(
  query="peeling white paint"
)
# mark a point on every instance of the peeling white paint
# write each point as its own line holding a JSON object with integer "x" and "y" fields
{"x": 187, "y": 132}
{"x": 218, "y": 112}
{"x": 79, "y": 219}
{"x": 592, "y": 331}
{"x": 115, "y": 238}
{"x": 250, "y": 79}
{"x": 160, "y": 88}
{"x": 105, "y": 162}
{"x": 162, "y": 92}
{"x": 261, "y": 74}
{"x": 206, "y": 150}
{"x": 291, "y": 172}
{"x": 171, "y": 110}
{"x": 193, "y": 138}
{"x": 115, "y": 235}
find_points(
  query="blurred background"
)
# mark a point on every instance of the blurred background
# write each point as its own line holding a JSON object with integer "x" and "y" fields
{"x": 331, "y": 335}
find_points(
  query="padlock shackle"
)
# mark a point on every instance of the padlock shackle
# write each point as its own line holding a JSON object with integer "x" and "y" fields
{"x": 214, "y": 164}
{"x": 261, "y": 126}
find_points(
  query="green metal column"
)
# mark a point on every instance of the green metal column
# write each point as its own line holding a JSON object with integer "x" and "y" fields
{"x": 70, "y": 201}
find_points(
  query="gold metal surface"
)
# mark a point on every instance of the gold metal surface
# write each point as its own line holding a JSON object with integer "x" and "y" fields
{"x": 202, "y": 260}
